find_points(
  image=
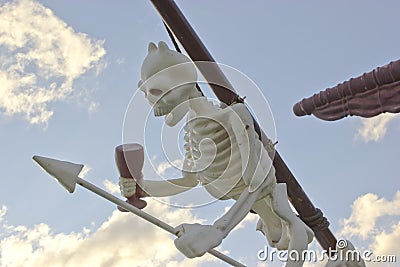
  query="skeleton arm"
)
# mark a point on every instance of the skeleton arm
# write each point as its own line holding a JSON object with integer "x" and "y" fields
{"x": 169, "y": 187}
{"x": 159, "y": 188}
{"x": 237, "y": 212}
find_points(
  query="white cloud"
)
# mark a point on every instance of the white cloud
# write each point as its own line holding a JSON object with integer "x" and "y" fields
{"x": 93, "y": 106}
{"x": 376, "y": 221}
{"x": 3, "y": 212}
{"x": 111, "y": 187}
{"x": 85, "y": 170}
{"x": 120, "y": 60}
{"x": 386, "y": 243}
{"x": 366, "y": 210}
{"x": 374, "y": 129}
{"x": 122, "y": 240}
{"x": 41, "y": 57}
{"x": 172, "y": 166}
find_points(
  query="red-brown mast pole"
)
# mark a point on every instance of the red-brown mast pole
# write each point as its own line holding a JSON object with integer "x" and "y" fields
{"x": 178, "y": 24}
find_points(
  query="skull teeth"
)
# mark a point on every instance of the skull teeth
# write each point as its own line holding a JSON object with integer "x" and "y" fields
{"x": 161, "y": 111}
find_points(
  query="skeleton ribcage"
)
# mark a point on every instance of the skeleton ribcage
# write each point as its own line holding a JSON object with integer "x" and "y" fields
{"x": 213, "y": 153}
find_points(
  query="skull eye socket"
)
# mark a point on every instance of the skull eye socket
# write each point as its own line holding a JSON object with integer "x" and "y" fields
{"x": 156, "y": 92}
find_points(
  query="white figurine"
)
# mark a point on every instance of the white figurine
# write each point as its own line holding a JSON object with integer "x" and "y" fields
{"x": 223, "y": 153}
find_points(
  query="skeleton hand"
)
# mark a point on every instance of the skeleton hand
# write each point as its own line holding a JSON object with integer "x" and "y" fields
{"x": 127, "y": 186}
{"x": 194, "y": 240}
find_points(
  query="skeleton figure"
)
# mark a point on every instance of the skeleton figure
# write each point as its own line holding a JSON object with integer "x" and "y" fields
{"x": 223, "y": 153}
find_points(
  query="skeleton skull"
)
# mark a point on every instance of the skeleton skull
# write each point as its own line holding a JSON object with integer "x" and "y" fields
{"x": 168, "y": 80}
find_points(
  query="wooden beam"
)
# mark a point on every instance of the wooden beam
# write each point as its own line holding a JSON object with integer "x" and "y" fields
{"x": 368, "y": 95}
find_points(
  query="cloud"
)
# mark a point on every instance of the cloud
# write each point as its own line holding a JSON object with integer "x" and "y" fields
{"x": 122, "y": 240}
{"x": 373, "y": 226}
{"x": 170, "y": 167}
{"x": 41, "y": 58}
{"x": 3, "y": 212}
{"x": 111, "y": 187}
{"x": 366, "y": 210}
{"x": 120, "y": 60}
{"x": 386, "y": 243}
{"x": 374, "y": 129}
{"x": 376, "y": 221}
{"x": 85, "y": 170}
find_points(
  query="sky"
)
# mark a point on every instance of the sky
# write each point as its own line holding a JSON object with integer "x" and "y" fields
{"x": 68, "y": 75}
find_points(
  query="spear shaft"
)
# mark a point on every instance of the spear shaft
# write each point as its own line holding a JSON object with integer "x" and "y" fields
{"x": 148, "y": 217}
{"x": 66, "y": 173}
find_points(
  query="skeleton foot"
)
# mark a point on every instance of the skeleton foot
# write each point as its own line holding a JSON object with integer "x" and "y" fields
{"x": 310, "y": 233}
{"x": 194, "y": 240}
{"x": 264, "y": 230}
{"x": 280, "y": 243}
{"x": 284, "y": 241}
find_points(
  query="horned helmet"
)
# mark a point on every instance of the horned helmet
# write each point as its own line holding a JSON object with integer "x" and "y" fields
{"x": 168, "y": 81}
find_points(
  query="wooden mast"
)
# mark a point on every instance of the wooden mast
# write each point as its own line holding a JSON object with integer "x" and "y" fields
{"x": 179, "y": 25}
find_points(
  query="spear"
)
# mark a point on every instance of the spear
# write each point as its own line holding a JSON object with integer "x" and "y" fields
{"x": 66, "y": 173}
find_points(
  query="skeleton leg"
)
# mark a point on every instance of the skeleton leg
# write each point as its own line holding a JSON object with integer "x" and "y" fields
{"x": 299, "y": 233}
{"x": 195, "y": 239}
{"x": 274, "y": 229}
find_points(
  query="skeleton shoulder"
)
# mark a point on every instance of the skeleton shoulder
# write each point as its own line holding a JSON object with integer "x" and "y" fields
{"x": 255, "y": 161}
{"x": 241, "y": 115}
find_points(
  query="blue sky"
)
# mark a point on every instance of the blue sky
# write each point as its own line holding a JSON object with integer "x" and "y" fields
{"x": 69, "y": 70}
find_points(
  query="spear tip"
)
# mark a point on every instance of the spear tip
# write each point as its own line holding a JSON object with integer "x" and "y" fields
{"x": 66, "y": 173}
